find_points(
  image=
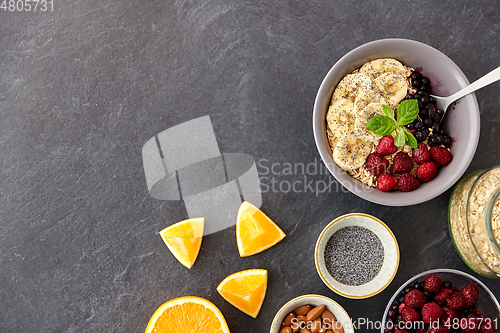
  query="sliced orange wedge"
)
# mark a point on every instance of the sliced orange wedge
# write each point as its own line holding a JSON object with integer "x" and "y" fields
{"x": 187, "y": 314}
{"x": 255, "y": 232}
{"x": 245, "y": 290}
{"x": 183, "y": 239}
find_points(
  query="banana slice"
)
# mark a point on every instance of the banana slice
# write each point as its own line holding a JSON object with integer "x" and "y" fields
{"x": 339, "y": 116}
{"x": 350, "y": 152}
{"x": 366, "y": 97}
{"x": 377, "y": 67}
{"x": 360, "y": 130}
{"x": 393, "y": 87}
{"x": 350, "y": 86}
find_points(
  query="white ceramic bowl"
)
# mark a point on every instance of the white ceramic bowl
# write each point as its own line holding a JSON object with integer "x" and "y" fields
{"x": 462, "y": 122}
{"x": 389, "y": 266}
{"x": 314, "y": 300}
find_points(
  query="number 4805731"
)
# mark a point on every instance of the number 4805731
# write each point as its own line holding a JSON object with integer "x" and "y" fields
{"x": 27, "y": 5}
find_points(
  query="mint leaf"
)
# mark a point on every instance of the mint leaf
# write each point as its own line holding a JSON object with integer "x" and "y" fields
{"x": 381, "y": 125}
{"x": 407, "y": 112}
{"x": 400, "y": 138}
{"x": 389, "y": 112}
{"x": 410, "y": 140}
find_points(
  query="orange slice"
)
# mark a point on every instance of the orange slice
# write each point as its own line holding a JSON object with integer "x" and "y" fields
{"x": 187, "y": 314}
{"x": 255, "y": 232}
{"x": 183, "y": 239}
{"x": 245, "y": 290}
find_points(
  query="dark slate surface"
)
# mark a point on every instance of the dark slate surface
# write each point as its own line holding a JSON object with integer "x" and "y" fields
{"x": 82, "y": 88}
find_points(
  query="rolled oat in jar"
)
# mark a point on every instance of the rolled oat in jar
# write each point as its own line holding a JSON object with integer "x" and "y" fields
{"x": 474, "y": 221}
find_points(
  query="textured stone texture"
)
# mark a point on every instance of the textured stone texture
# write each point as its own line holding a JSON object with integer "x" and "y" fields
{"x": 82, "y": 88}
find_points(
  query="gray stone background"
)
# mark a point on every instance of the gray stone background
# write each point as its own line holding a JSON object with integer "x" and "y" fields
{"x": 83, "y": 87}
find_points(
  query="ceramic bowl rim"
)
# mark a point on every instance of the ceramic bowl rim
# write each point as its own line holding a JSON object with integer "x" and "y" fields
{"x": 321, "y": 240}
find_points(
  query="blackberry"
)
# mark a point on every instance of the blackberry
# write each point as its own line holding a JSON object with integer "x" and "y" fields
{"x": 421, "y": 134}
{"x": 415, "y": 75}
{"x": 391, "y": 314}
{"x": 447, "y": 141}
{"x": 428, "y": 123}
{"x": 426, "y": 83}
{"x": 436, "y": 127}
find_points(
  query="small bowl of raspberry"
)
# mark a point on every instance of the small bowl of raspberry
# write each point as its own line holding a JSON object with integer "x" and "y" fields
{"x": 442, "y": 300}
{"x": 399, "y": 159}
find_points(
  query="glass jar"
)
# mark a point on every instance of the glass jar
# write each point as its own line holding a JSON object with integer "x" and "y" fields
{"x": 474, "y": 221}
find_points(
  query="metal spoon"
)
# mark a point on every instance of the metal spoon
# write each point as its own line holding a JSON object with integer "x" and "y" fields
{"x": 444, "y": 102}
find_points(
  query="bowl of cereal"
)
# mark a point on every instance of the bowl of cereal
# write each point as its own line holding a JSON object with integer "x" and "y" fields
{"x": 377, "y": 127}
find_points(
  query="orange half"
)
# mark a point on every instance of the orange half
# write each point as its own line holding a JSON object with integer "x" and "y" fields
{"x": 187, "y": 314}
{"x": 245, "y": 290}
{"x": 183, "y": 239}
{"x": 255, "y": 232}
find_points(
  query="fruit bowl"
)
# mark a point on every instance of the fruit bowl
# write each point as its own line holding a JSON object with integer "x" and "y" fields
{"x": 486, "y": 303}
{"x": 462, "y": 121}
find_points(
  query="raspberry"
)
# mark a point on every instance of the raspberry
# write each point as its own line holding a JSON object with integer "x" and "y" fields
{"x": 410, "y": 314}
{"x": 427, "y": 171}
{"x": 401, "y": 163}
{"x": 443, "y": 296}
{"x": 407, "y": 183}
{"x": 386, "y": 146}
{"x": 441, "y": 155}
{"x": 415, "y": 299}
{"x": 421, "y": 154}
{"x": 470, "y": 294}
{"x": 439, "y": 329}
{"x": 456, "y": 301}
{"x": 432, "y": 283}
{"x": 431, "y": 312}
{"x": 487, "y": 326}
{"x": 448, "y": 315}
{"x": 386, "y": 182}
{"x": 470, "y": 325}
{"x": 376, "y": 164}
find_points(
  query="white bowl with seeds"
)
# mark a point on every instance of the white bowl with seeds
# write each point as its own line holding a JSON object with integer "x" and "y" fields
{"x": 357, "y": 255}
{"x": 462, "y": 121}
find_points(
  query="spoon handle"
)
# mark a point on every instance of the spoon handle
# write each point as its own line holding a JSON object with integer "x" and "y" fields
{"x": 489, "y": 78}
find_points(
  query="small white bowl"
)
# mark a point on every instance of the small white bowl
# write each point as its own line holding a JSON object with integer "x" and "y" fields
{"x": 313, "y": 300}
{"x": 389, "y": 266}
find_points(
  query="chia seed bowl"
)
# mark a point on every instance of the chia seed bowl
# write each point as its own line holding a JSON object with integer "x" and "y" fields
{"x": 356, "y": 255}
